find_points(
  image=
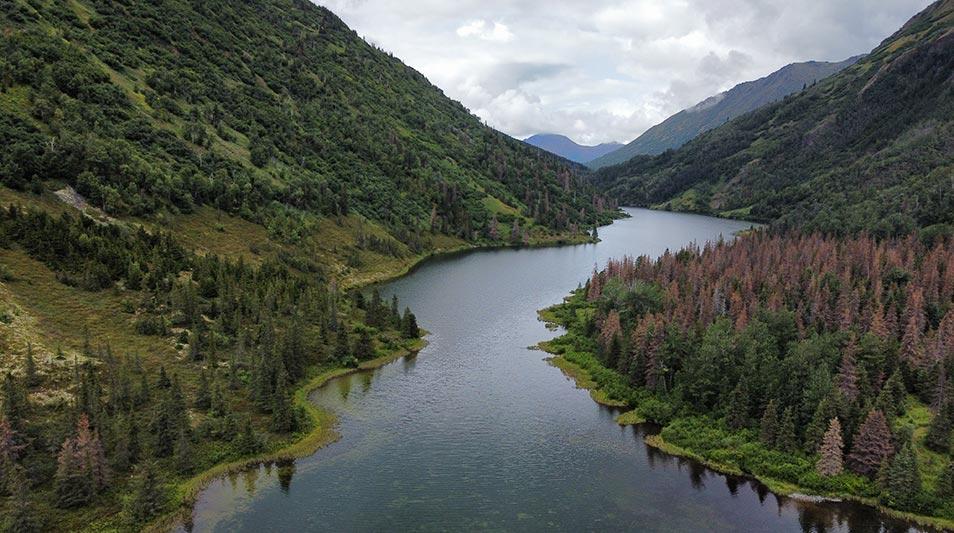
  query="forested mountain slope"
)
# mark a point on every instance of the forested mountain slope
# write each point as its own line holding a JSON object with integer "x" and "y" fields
{"x": 867, "y": 148}
{"x": 266, "y": 109}
{"x": 719, "y": 109}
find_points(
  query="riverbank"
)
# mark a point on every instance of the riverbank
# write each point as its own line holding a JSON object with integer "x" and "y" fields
{"x": 322, "y": 431}
{"x": 582, "y": 373}
{"x": 321, "y": 434}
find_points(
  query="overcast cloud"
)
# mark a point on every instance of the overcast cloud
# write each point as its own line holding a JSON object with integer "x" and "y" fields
{"x": 600, "y": 71}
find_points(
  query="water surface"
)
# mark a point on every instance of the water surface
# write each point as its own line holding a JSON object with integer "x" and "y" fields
{"x": 478, "y": 432}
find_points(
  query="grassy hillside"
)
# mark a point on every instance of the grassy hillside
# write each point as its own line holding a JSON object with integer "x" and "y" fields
{"x": 715, "y": 111}
{"x": 867, "y": 148}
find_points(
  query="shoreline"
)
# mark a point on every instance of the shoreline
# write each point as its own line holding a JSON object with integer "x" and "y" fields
{"x": 322, "y": 434}
{"x": 324, "y": 422}
{"x": 780, "y": 488}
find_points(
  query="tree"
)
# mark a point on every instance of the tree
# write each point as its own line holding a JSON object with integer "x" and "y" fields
{"x": 21, "y": 517}
{"x": 183, "y": 452}
{"x": 769, "y": 424}
{"x": 815, "y": 431}
{"x": 945, "y": 482}
{"x": 738, "y": 415}
{"x": 364, "y": 346}
{"x": 247, "y": 442}
{"x": 831, "y": 451}
{"x": 32, "y": 379}
{"x": 787, "y": 440}
{"x": 342, "y": 344}
{"x": 872, "y": 445}
{"x": 147, "y": 498}
{"x": 409, "y": 329}
{"x": 938, "y": 437}
{"x": 902, "y": 481}
{"x": 203, "y": 395}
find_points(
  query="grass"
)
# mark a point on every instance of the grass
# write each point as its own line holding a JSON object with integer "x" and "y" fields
{"x": 583, "y": 380}
{"x": 630, "y": 418}
{"x": 931, "y": 464}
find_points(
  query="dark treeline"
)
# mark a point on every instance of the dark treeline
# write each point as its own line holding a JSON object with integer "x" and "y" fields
{"x": 817, "y": 361}
{"x": 246, "y": 335}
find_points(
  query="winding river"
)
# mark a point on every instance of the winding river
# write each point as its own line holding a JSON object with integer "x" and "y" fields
{"x": 478, "y": 432}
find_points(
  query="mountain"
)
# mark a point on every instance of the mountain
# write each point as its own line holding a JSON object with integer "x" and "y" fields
{"x": 868, "y": 148}
{"x": 566, "y": 148}
{"x": 719, "y": 109}
{"x": 268, "y": 109}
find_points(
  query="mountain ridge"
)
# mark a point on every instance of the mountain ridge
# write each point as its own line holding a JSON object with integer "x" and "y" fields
{"x": 867, "y": 149}
{"x": 720, "y": 108}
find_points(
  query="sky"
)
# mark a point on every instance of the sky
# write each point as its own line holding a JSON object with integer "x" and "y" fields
{"x": 607, "y": 70}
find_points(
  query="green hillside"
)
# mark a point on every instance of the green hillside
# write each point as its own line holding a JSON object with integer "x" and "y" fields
{"x": 268, "y": 110}
{"x": 867, "y": 148}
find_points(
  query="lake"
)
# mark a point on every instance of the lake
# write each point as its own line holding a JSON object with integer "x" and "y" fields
{"x": 477, "y": 432}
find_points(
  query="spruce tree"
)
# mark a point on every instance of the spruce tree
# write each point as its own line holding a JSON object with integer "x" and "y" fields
{"x": 737, "y": 416}
{"x": 21, "y": 517}
{"x": 831, "y": 452}
{"x": 342, "y": 344}
{"x": 787, "y": 440}
{"x": 32, "y": 379}
{"x": 183, "y": 452}
{"x": 769, "y": 424}
{"x": 871, "y": 446}
{"x": 409, "y": 327}
{"x": 945, "y": 483}
{"x": 827, "y": 410}
{"x": 203, "y": 395}
{"x": 938, "y": 437}
{"x": 364, "y": 346}
{"x": 147, "y": 498}
{"x": 903, "y": 479}
{"x": 247, "y": 442}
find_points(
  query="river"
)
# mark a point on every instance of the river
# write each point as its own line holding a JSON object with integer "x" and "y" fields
{"x": 479, "y": 432}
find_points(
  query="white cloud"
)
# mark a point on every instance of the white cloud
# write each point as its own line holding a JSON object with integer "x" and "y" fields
{"x": 479, "y": 29}
{"x": 609, "y": 69}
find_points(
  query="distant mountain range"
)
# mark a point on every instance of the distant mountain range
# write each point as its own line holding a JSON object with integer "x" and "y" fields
{"x": 565, "y": 147}
{"x": 721, "y": 108}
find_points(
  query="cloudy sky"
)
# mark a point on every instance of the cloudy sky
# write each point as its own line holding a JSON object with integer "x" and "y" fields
{"x": 605, "y": 70}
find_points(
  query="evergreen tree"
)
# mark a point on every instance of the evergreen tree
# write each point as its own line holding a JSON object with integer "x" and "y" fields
{"x": 147, "y": 499}
{"x": 21, "y": 517}
{"x": 32, "y": 379}
{"x": 831, "y": 451}
{"x": 826, "y": 411}
{"x": 902, "y": 481}
{"x": 13, "y": 402}
{"x": 247, "y": 442}
{"x": 738, "y": 415}
{"x": 787, "y": 440}
{"x": 769, "y": 424}
{"x": 203, "y": 395}
{"x": 871, "y": 446}
{"x": 938, "y": 437}
{"x": 283, "y": 416}
{"x": 364, "y": 346}
{"x": 342, "y": 344}
{"x": 10, "y": 448}
{"x": 945, "y": 482}
{"x": 409, "y": 327}
{"x": 183, "y": 452}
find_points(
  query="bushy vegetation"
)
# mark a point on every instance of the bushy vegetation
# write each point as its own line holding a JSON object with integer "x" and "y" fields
{"x": 133, "y": 424}
{"x": 866, "y": 149}
{"x": 798, "y": 358}
{"x": 265, "y": 109}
